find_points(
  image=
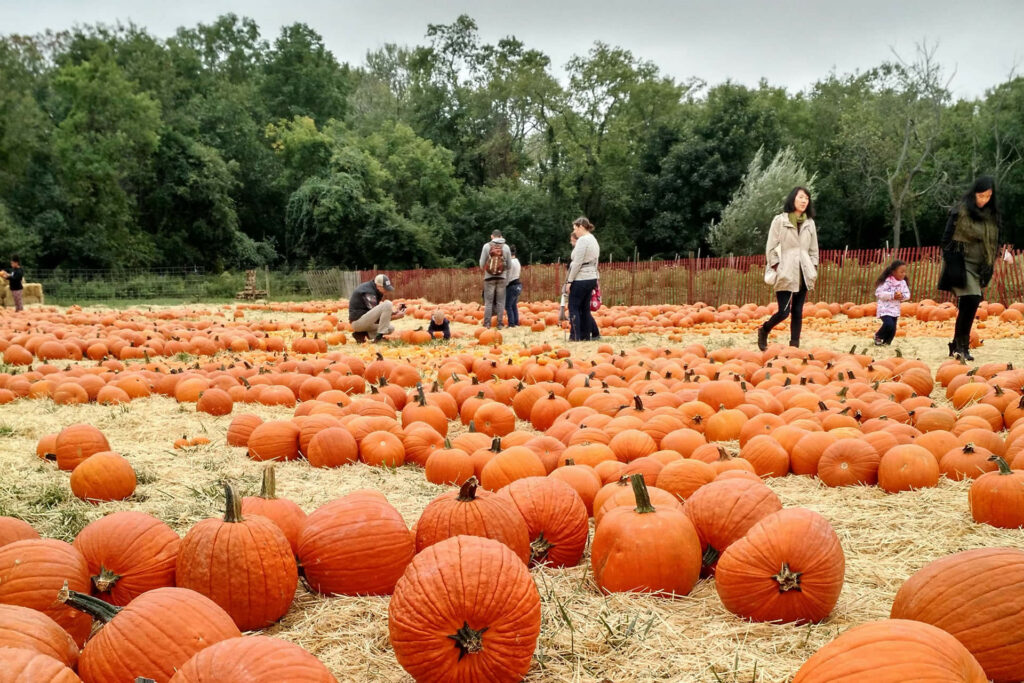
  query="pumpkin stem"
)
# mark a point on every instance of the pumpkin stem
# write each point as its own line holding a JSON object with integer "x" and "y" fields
{"x": 447, "y": 443}
{"x": 232, "y": 505}
{"x": 638, "y": 403}
{"x": 569, "y": 462}
{"x": 788, "y": 579}
{"x": 643, "y": 498}
{"x": 710, "y": 556}
{"x": 472, "y": 426}
{"x": 105, "y": 580}
{"x": 467, "y": 492}
{"x": 97, "y": 609}
{"x": 968, "y": 448}
{"x": 1004, "y": 468}
{"x": 468, "y": 640}
{"x": 268, "y": 489}
{"x": 420, "y": 396}
{"x": 539, "y": 548}
{"x": 496, "y": 444}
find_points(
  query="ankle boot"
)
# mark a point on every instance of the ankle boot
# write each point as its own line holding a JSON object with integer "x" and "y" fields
{"x": 964, "y": 348}
{"x": 953, "y": 348}
{"x": 762, "y": 339}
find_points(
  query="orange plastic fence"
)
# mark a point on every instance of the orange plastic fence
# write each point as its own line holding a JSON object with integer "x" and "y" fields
{"x": 842, "y": 276}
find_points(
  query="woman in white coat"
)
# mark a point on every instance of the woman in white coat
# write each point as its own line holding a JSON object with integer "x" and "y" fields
{"x": 792, "y": 251}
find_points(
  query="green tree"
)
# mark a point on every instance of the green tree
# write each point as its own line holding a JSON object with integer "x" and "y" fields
{"x": 302, "y": 78}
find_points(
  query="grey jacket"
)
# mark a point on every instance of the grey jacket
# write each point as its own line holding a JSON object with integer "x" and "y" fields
{"x": 485, "y": 254}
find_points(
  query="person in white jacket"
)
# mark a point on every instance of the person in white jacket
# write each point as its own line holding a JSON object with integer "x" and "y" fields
{"x": 582, "y": 280}
{"x": 792, "y": 250}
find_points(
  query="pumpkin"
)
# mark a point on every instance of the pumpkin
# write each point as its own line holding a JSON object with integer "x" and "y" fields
{"x": 767, "y": 456}
{"x": 645, "y": 548}
{"x": 544, "y": 411}
{"x": 421, "y": 411}
{"x": 997, "y": 498}
{"x": 849, "y": 462}
{"x": 24, "y": 665}
{"x": 274, "y": 440}
{"x": 509, "y": 465}
{"x": 128, "y": 553}
{"x": 723, "y": 511}
{"x": 332, "y": 447}
{"x": 789, "y": 567}
{"x": 13, "y": 529}
{"x": 355, "y": 545}
{"x": 245, "y": 565}
{"x": 102, "y": 477}
{"x": 150, "y": 637}
{"x": 583, "y": 479}
{"x": 894, "y": 651}
{"x": 31, "y": 573}
{"x": 977, "y": 596}
{"x": 907, "y": 467}
{"x": 966, "y": 462}
{"x": 473, "y": 512}
{"x": 77, "y": 442}
{"x": 46, "y": 447}
{"x": 556, "y": 518}
{"x": 241, "y": 428}
{"x": 286, "y": 514}
{"x": 214, "y": 401}
{"x": 253, "y": 659}
{"x": 486, "y": 628}
{"x": 27, "y": 628}
{"x": 448, "y": 465}
{"x": 382, "y": 449}
{"x": 682, "y": 478}
{"x": 620, "y": 493}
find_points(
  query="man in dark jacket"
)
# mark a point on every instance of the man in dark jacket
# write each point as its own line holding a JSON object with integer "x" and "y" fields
{"x": 368, "y": 311}
{"x": 15, "y": 279}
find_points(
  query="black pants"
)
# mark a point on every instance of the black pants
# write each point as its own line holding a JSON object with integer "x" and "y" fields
{"x": 887, "y": 332}
{"x": 582, "y": 325}
{"x": 967, "y": 308}
{"x": 790, "y": 303}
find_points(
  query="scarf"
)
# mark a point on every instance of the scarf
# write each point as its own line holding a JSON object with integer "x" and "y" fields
{"x": 985, "y": 230}
{"x": 797, "y": 219}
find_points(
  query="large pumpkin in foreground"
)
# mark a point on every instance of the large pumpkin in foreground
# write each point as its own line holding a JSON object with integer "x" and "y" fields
{"x": 23, "y": 665}
{"x": 466, "y": 609}
{"x": 978, "y": 597}
{"x": 253, "y": 659}
{"x": 893, "y": 651}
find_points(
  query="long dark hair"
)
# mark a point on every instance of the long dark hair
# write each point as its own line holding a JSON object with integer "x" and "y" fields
{"x": 790, "y": 205}
{"x": 889, "y": 270}
{"x": 991, "y": 209}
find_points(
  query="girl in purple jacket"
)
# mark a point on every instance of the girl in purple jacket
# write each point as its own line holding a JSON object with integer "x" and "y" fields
{"x": 891, "y": 289}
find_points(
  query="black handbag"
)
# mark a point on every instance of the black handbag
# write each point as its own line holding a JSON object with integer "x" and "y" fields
{"x": 954, "y": 271}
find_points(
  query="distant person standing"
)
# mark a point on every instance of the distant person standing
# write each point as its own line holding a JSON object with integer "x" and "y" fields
{"x": 15, "y": 279}
{"x": 563, "y": 304}
{"x": 582, "y": 281}
{"x": 495, "y": 258}
{"x": 792, "y": 251}
{"x": 368, "y": 311}
{"x": 970, "y": 246}
{"x": 514, "y": 289}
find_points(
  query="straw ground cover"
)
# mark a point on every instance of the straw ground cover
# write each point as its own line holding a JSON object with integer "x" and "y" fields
{"x": 585, "y": 636}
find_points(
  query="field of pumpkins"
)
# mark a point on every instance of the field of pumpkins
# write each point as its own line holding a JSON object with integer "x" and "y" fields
{"x": 240, "y": 493}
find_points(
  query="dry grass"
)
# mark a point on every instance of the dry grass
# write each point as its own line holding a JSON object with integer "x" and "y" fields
{"x": 585, "y": 636}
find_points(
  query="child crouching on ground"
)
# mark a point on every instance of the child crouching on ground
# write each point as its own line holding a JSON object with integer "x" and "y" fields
{"x": 439, "y": 323}
{"x": 891, "y": 289}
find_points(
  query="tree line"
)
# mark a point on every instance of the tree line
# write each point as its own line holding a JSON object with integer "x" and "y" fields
{"x": 221, "y": 148}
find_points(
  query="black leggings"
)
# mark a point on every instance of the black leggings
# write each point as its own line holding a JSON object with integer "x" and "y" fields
{"x": 967, "y": 308}
{"x": 887, "y": 332}
{"x": 790, "y": 304}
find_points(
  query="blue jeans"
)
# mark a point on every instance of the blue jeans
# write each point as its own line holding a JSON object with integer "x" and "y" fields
{"x": 512, "y": 293}
{"x": 582, "y": 325}
{"x": 887, "y": 332}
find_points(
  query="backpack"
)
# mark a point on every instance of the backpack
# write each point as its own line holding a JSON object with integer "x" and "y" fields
{"x": 495, "y": 259}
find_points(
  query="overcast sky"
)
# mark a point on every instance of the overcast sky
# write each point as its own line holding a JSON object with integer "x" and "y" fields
{"x": 790, "y": 43}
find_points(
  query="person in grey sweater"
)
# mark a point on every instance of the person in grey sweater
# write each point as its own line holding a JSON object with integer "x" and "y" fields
{"x": 582, "y": 280}
{"x": 495, "y": 259}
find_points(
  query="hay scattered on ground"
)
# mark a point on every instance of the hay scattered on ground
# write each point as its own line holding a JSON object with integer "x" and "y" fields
{"x": 585, "y": 636}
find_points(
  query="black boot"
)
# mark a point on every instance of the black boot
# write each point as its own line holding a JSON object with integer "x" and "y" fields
{"x": 963, "y": 345}
{"x": 762, "y": 338}
{"x": 953, "y": 348}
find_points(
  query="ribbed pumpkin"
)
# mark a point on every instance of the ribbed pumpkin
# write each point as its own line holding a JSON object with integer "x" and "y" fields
{"x": 893, "y": 651}
{"x": 966, "y": 462}
{"x": 582, "y": 479}
{"x": 31, "y": 629}
{"x": 245, "y": 565}
{"x": 253, "y": 659}
{"x": 285, "y": 513}
{"x": 509, "y": 465}
{"x": 555, "y": 517}
{"x": 103, "y": 476}
{"x": 977, "y": 596}
{"x": 31, "y": 573}
{"x": 486, "y": 627}
{"x": 382, "y": 449}
{"x": 241, "y": 428}
{"x": 788, "y": 567}
{"x": 128, "y": 553}
{"x": 77, "y": 442}
{"x": 355, "y": 545}
{"x": 215, "y": 401}
{"x": 849, "y": 462}
{"x": 13, "y": 529}
{"x": 23, "y": 665}
{"x": 274, "y": 440}
{"x": 332, "y": 447}
{"x": 151, "y": 636}
{"x": 723, "y": 511}
{"x": 473, "y": 511}
{"x": 645, "y": 548}
{"x": 682, "y": 478}
{"x": 767, "y": 456}
{"x": 997, "y": 498}
{"x": 448, "y": 465}
{"x": 907, "y": 467}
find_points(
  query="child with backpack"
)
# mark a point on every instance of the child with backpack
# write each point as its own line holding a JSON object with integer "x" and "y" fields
{"x": 891, "y": 289}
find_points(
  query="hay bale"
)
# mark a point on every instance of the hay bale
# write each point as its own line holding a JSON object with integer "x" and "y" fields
{"x": 32, "y": 294}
